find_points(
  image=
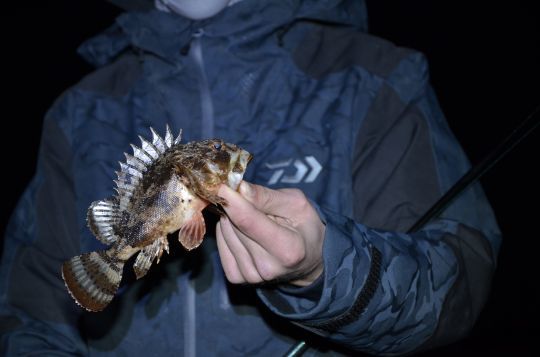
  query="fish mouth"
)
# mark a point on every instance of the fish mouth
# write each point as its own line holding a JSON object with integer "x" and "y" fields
{"x": 239, "y": 165}
{"x": 250, "y": 157}
{"x": 247, "y": 159}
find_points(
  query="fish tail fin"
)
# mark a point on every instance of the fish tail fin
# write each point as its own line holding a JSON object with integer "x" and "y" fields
{"x": 93, "y": 278}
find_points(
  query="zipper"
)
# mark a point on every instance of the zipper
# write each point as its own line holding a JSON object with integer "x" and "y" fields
{"x": 190, "y": 316}
{"x": 207, "y": 106}
{"x": 207, "y": 131}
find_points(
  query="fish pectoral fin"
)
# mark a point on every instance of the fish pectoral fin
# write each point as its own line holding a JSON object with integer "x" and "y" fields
{"x": 147, "y": 255}
{"x": 192, "y": 232}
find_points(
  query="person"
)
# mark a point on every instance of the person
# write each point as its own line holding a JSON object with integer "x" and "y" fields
{"x": 350, "y": 148}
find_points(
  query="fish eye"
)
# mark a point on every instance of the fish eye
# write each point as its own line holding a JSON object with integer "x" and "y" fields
{"x": 217, "y": 146}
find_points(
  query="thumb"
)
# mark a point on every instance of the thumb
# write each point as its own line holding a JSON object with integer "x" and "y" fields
{"x": 247, "y": 191}
{"x": 260, "y": 197}
{"x": 274, "y": 202}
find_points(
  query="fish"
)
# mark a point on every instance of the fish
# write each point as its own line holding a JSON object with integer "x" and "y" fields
{"x": 161, "y": 188}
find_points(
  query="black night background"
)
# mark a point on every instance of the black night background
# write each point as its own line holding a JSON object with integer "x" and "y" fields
{"x": 485, "y": 67}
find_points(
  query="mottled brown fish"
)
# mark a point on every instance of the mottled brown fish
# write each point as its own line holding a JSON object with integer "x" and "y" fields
{"x": 163, "y": 187}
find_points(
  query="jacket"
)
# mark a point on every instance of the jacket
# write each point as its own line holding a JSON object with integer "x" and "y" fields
{"x": 348, "y": 118}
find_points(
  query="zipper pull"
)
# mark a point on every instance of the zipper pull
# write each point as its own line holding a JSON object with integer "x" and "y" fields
{"x": 198, "y": 33}
{"x": 184, "y": 51}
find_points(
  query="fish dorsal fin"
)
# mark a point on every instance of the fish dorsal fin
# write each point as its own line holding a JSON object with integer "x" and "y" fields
{"x": 178, "y": 138}
{"x": 149, "y": 148}
{"x": 158, "y": 141}
{"x": 132, "y": 170}
{"x": 101, "y": 218}
{"x": 169, "y": 139}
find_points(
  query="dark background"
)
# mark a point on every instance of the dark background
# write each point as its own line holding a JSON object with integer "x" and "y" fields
{"x": 485, "y": 67}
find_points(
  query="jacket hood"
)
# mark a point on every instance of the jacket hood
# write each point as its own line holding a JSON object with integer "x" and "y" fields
{"x": 164, "y": 34}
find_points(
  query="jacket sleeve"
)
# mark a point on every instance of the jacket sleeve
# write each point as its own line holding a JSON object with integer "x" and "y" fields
{"x": 36, "y": 313}
{"x": 384, "y": 291}
{"x": 48, "y": 225}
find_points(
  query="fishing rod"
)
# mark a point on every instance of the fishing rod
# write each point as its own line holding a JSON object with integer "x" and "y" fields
{"x": 516, "y": 136}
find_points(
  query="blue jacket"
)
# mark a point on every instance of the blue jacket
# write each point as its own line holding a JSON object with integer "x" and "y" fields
{"x": 348, "y": 118}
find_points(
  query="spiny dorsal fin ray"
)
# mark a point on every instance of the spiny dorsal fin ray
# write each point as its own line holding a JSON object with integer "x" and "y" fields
{"x": 135, "y": 162}
{"x": 157, "y": 141}
{"x": 178, "y": 138}
{"x": 129, "y": 170}
{"x": 169, "y": 139}
{"x": 149, "y": 148}
{"x": 126, "y": 181}
{"x": 122, "y": 185}
{"x": 101, "y": 217}
{"x": 133, "y": 169}
{"x": 141, "y": 155}
{"x": 125, "y": 191}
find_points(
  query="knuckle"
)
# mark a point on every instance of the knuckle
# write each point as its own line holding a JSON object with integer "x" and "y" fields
{"x": 300, "y": 200}
{"x": 252, "y": 277}
{"x": 265, "y": 198}
{"x": 234, "y": 278}
{"x": 293, "y": 192}
{"x": 294, "y": 256}
{"x": 267, "y": 271}
{"x": 243, "y": 222}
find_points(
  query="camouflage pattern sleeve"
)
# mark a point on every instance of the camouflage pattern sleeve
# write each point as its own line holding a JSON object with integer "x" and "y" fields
{"x": 384, "y": 291}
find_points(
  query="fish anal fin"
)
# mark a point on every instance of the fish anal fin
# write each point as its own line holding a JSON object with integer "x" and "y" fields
{"x": 192, "y": 232}
{"x": 146, "y": 256}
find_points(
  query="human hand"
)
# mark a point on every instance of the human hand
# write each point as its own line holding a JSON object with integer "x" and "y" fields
{"x": 269, "y": 235}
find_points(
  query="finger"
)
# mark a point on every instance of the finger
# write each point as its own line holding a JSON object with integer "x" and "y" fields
{"x": 228, "y": 262}
{"x": 273, "y": 202}
{"x": 256, "y": 225}
{"x": 267, "y": 265}
{"x": 243, "y": 258}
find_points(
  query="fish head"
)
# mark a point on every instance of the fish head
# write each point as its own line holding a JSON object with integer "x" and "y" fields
{"x": 221, "y": 162}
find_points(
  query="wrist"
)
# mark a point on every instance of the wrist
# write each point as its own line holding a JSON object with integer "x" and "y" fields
{"x": 310, "y": 277}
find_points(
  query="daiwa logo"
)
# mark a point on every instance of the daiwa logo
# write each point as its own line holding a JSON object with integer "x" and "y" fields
{"x": 306, "y": 170}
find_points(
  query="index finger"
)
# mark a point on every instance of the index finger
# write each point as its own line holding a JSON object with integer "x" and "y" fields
{"x": 255, "y": 224}
{"x": 273, "y": 202}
